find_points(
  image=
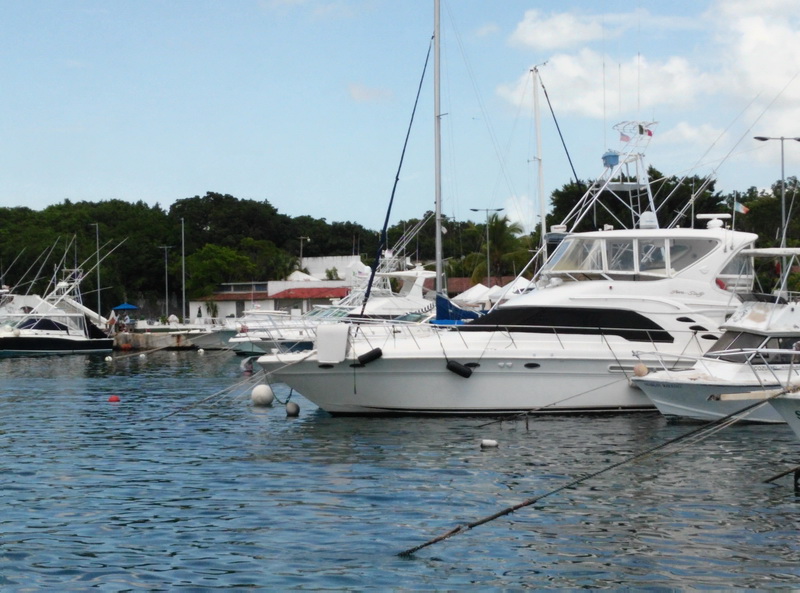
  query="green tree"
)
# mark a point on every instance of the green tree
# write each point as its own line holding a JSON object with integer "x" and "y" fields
{"x": 503, "y": 246}
{"x": 213, "y": 265}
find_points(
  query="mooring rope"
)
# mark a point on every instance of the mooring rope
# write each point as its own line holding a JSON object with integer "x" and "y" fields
{"x": 710, "y": 428}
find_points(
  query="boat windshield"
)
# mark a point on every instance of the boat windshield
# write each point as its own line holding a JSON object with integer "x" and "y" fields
{"x": 583, "y": 258}
{"x": 726, "y": 347}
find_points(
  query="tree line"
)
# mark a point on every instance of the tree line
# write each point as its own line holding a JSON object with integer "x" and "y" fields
{"x": 227, "y": 239}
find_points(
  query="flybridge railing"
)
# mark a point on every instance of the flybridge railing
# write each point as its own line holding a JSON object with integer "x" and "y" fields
{"x": 423, "y": 336}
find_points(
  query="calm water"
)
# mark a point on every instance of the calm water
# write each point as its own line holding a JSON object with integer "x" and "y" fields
{"x": 116, "y": 496}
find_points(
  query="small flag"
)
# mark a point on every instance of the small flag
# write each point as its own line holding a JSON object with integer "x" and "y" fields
{"x": 624, "y": 137}
{"x": 740, "y": 208}
{"x": 644, "y": 131}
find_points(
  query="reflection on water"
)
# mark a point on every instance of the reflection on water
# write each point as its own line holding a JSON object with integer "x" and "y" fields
{"x": 183, "y": 484}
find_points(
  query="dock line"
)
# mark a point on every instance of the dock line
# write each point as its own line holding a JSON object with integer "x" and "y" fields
{"x": 710, "y": 428}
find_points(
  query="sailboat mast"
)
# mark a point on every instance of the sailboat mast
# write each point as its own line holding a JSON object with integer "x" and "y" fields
{"x": 437, "y": 149}
{"x": 537, "y": 123}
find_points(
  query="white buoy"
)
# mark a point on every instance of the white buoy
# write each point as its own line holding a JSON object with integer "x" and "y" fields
{"x": 292, "y": 409}
{"x": 488, "y": 444}
{"x": 109, "y": 359}
{"x": 200, "y": 351}
{"x": 640, "y": 370}
{"x": 142, "y": 355}
{"x": 262, "y": 395}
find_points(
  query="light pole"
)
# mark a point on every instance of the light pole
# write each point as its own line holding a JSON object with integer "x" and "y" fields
{"x": 166, "y": 280}
{"x": 184, "y": 315}
{"x": 784, "y": 222}
{"x": 487, "y": 210}
{"x": 301, "y": 249}
{"x": 96, "y": 226}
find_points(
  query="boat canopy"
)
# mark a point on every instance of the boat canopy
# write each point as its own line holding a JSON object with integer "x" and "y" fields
{"x": 595, "y": 257}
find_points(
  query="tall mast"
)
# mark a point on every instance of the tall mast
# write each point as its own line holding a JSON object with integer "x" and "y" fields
{"x": 537, "y": 123}
{"x": 437, "y": 150}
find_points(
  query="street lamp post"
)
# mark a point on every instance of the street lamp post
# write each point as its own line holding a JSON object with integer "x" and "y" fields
{"x": 487, "y": 210}
{"x": 784, "y": 222}
{"x": 301, "y": 249}
{"x": 96, "y": 226}
{"x": 166, "y": 280}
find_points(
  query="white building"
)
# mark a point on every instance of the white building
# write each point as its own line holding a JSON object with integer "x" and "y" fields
{"x": 297, "y": 295}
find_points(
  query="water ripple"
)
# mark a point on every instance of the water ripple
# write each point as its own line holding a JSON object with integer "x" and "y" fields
{"x": 164, "y": 491}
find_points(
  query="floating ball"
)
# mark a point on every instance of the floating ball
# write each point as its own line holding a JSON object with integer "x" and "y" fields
{"x": 113, "y": 398}
{"x": 201, "y": 351}
{"x": 143, "y": 355}
{"x": 109, "y": 359}
{"x": 488, "y": 444}
{"x": 262, "y": 395}
{"x": 640, "y": 370}
{"x": 292, "y": 410}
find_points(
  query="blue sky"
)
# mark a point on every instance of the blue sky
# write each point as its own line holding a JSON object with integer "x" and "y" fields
{"x": 305, "y": 103}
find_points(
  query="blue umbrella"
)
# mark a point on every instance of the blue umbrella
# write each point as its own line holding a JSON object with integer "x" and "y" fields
{"x": 125, "y": 307}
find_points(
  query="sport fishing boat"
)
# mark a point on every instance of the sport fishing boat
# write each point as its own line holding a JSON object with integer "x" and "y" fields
{"x": 56, "y": 324}
{"x": 756, "y": 357}
{"x": 566, "y": 345}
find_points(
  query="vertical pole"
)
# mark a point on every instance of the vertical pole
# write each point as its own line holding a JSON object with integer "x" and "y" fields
{"x": 488, "y": 259}
{"x": 166, "y": 279}
{"x": 437, "y": 148}
{"x": 97, "y": 246}
{"x": 783, "y": 200}
{"x": 183, "y": 274}
{"x": 542, "y": 205}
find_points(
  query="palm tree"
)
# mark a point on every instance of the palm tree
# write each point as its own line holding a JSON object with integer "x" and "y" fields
{"x": 504, "y": 246}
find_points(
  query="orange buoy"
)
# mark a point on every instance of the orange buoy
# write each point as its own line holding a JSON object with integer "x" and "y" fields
{"x": 113, "y": 398}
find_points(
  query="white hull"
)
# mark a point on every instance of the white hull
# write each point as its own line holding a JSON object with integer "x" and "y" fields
{"x": 788, "y": 406}
{"x": 706, "y": 401}
{"x": 211, "y": 340}
{"x": 523, "y": 373}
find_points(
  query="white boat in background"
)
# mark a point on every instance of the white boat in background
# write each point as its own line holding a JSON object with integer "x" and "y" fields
{"x": 286, "y": 333}
{"x": 56, "y": 324}
{"x": 757, "y": 356}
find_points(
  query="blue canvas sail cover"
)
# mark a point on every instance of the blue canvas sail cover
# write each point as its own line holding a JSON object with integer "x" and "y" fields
{"x": 447, "y": 311}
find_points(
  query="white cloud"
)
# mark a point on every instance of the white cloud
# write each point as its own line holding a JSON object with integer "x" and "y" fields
{"x": 364, "y": 94}
{"x": 487, "y": 30}
{"x": 555, "y": 31}
{"x": 521, "y": 209}
{"x": 586, "y": 86}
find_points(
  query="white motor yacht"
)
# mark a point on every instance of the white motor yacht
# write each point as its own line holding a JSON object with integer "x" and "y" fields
{"x": 567, "y": 345}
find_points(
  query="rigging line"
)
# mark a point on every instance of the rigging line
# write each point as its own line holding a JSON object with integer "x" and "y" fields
{"x": 746, "y": 133}
{"x": 481, "y": 104}
{"x": 610, "y": 349}
{"x": 526, "y": 503}
{"x": 700, "y": 161}
{"x": 527, "y": 413}
{"x": 383, "y": 241}
{"x": 219, "y": 393}
{"x": 560, "y": 135}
